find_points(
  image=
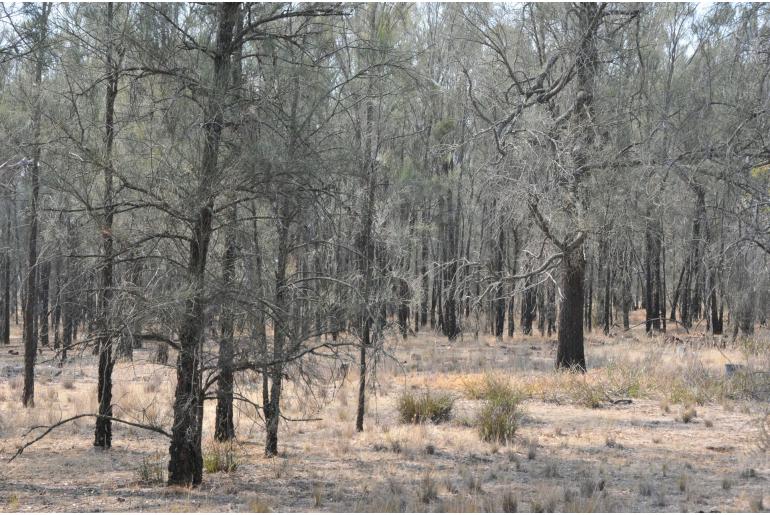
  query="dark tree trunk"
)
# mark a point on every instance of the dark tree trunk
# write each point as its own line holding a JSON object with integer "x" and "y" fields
{"x": 186, "y": 461}
{"x": 499, "y": 300}
{"x": 403, "y": 307}
{"x": 103, "y": 430}
{"x": 56, "y": 312}
{"x": 570, "y": 353}
{"x": 678, "y": 290}
{"x": 30, "y": 340}
{"x": 528, "y": 306}
{"x": 279, "y": 339}
{"x": 224, "y": 429}
{"x": 551, "y": 308}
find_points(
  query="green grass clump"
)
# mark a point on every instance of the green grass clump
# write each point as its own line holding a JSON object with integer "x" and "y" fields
{"x": 500, "y": 415}
{"x": 219, "y": 457}
{"x": 428, "y": 407}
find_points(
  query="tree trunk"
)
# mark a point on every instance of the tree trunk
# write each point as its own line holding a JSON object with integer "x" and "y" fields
{"x": 103, "y": 430}
{"x": 186, "y": 461}
{"x": 570, "y": 353}
{"x": 30, "y": 341}
{"x": 224, "y": 428}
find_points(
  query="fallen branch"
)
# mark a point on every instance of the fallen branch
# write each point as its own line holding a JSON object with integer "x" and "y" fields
{"x": 62, "y": 422}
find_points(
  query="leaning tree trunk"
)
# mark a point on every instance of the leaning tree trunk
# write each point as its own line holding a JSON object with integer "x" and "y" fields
{"x": 186, "y": 460}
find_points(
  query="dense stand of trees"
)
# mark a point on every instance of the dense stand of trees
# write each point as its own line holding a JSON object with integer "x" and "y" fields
{"x": 274, "y": 191}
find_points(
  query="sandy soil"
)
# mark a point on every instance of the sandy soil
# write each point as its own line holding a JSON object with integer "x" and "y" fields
{"x": 566, "y": 456}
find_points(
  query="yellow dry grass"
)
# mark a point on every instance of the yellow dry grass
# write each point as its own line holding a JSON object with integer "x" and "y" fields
{"x": 571, "y": 440}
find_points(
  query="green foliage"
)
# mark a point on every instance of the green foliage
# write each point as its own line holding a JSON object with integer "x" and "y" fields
{"x": 219, "y": 457}
{"x": 428, "y": 407}
{"x": 500, "y": 415}
{"x": 151, "y": 470}
{"x": 442, "y": 128}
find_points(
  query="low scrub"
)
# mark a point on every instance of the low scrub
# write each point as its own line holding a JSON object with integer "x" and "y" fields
{"x": 499, "y": 416}
{"x": 491, "y": 385}
{"x": 151, "y": 470}
{"x": 427, "y": 407}
{"x": 219, "y": 457}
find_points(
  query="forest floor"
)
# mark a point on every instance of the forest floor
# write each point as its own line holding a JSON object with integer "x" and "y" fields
{"x": 574, "y": 450}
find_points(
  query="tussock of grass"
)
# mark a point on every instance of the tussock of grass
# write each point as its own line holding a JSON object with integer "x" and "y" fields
{"x": 219, "y": 457}
{"x": 486, "y": 387}
{"x": 151, "y": 470}
{"x": 684, "y": 382}
{"x": 428, "y": 407}
{"x": 499, "y": 418}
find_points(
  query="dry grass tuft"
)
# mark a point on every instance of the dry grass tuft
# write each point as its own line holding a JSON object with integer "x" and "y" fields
{"x": 219, "y": 457}
{"x": 152, "y": 470}
{"x": 428, "y": 407}
{"x": 428, "y": 489}
{"x": 257, "y": 505}
{"x": 688, "y": 415}
{"x": 509, "y": 502}
{"x": 499, "y": 417}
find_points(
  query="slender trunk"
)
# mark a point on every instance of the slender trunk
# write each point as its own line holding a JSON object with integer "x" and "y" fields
{"x": 44, "y": 287}
{"x": 224, "y": 428}
{"x": 56, "y": 312}
{"x": 30, "y": 341}
{"x": 103, "y": 430}
{"x": 186, "y": 461}
{"x": 279, "y": 337}
{"x": 499, "y": 300}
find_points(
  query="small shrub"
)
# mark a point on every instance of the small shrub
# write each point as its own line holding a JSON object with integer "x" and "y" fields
{"x": 151, "y": 471}
{"x": 682, "y": 483}
{"x": 688, "y": 415}
{"x": 748, "y": 473}
{"x": 13, "y": 502}
{"x": 646, "y": 489}
{"x": 589, "y": 486}
{"x": 532, "y": 449}
{"x": 499, "y": 417}
{"x": 726, "y": 484}
{"x": 430, "y": 449}
{"x": 428, "y": 489}
{"x": 68, "y": 384}
{"x": 546, "y": 501}
{"x": 551, "y": 470}
{"x": 472, "y": 482}
{"x": 219, "y": 457}
{"x": 416, "y": 409}
{"x": 492, "y": 385}
{"x": 708, "y": 423}
{"x": 317, "y": 495}
{"x": 257, "y": 505}
{"x": 510, "y": 503}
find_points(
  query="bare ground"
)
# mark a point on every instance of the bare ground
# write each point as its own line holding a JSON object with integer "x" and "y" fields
{"x": 566, "y": 456}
